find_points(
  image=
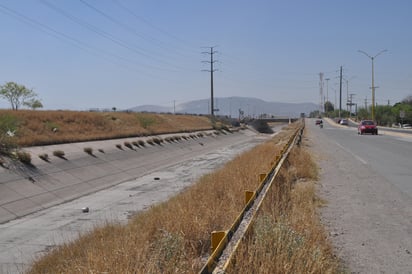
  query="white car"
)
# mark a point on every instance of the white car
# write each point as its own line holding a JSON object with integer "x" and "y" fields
{"x": 344, "y": 122}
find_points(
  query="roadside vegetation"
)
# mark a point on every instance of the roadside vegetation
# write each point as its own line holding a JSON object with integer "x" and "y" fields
{"x": 31, "y": 128}
{"x": 385, "y": 115}
{"x": 287, "y": 235}
{"x": 174, "y": 236}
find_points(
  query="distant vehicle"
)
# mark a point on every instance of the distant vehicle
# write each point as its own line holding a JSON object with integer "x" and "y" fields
{"x": 344, "y": 122}
{"x": 318, "y": 122}
{"x": 367, "y": 126}
{"x": 407, "y": 126}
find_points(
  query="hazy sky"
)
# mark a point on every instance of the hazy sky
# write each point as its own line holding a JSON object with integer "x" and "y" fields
{"x": 81, "y": 54}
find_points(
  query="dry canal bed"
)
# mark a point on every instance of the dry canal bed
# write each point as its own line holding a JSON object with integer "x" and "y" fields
{"x": 139, "y": 178}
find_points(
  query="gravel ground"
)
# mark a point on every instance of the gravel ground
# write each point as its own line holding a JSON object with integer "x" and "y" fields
{"x": 368, "y": 219}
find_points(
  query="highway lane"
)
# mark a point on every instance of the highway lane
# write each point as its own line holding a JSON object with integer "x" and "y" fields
{"x": 366, "y": 183}
{"x": 389, "y": 156}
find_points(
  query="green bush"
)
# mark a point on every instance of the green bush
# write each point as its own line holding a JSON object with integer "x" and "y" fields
{"x": 145, "y": 121}
{"x": 8, "y": 127}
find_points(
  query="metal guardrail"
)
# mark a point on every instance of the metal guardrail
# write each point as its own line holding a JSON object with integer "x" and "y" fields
{"x": 253, "y": 200}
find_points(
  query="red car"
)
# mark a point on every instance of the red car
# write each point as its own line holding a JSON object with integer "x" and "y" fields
{"x": 367, "y": 126}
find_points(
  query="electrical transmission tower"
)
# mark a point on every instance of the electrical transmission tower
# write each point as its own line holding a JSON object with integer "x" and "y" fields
{"x": 211, "y": 70}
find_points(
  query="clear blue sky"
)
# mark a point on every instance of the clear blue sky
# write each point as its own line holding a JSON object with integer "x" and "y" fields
{"x": 81, "y": 54}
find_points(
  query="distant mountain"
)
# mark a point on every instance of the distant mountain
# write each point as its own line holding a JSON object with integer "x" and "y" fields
{"x": 230, "y": 106}
{"x": 151, "y": 108}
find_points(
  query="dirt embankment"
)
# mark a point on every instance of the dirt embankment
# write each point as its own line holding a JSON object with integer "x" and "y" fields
{"x": 31, "y": 128}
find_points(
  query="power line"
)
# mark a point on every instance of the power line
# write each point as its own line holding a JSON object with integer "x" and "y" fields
{"x": 110, "y": 37}
{"x": 140, "y": 18}
{"x": 124, "y": 26}
{"x": 68, "y": 39}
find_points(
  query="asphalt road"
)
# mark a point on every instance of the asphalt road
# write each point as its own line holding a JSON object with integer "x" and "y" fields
{"x": 366, "y": 181}
{"x": 166, "y": 172}
{"x": 388, "y": 155}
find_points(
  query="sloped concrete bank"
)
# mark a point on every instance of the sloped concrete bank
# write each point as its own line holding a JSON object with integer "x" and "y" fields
{"x": 27, "y": 189}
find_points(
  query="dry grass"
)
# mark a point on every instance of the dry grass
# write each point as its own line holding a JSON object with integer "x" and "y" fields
{"x": 53, "y": 127}
{"x": 174, "y": 237}
{"x": 287, "y": 236}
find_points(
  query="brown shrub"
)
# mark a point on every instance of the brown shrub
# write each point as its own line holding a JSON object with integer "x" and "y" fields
{"x": 44, "y": 157}
{"x": 59, "y": 153}
{"x": 88, "y": 150}
{"x": 23, "y": 157}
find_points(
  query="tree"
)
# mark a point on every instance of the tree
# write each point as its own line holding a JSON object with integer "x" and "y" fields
{"x": 406, "y": 109}
{"x": 33, "y": 104}
{"x": 363, "y": 113}
{"x": 384, "y": 115}
{"x": 18, "y": 95}
{"x": 407, "y": 100}
{"x": 329, "y": 106}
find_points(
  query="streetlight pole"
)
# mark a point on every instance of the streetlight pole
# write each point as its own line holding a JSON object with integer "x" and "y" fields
{"x": 373, "y": 84}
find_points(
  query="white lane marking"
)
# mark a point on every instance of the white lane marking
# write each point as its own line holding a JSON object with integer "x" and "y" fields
{"x": 353, "y": 154}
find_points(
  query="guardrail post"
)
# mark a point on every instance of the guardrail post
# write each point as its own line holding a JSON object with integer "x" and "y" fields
{"x": 248, "y": 196}
{"x": 220, "y": 239}
{"x": 216, "y": 238}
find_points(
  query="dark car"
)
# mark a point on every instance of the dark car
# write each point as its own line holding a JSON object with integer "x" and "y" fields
{"x": 367, "y": 126}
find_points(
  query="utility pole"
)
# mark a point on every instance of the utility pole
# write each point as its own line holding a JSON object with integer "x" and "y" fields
{"x": 366, "y": 103}
{"x": 327, "y": 89}
{"x": 351, "y": 103}
{"x": 211, "y": 62}
{"x": 347, "y": 91}
{"x": 340, "y": 92}
{"x": 321, "y": 105}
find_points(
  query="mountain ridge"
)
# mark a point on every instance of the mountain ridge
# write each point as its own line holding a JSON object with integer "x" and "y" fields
{"x": 232, "y": 106}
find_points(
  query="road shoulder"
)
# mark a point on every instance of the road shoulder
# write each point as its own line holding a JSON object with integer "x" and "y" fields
{"x": 369, "y": 221}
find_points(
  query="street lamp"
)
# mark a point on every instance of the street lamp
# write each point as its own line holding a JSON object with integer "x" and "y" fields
{"x": 373, "y": 85}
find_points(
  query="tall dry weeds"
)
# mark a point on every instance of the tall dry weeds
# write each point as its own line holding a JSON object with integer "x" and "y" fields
{"x": 174, "y": 237}
{"x": 53, "y": 127}
{"x": 287, "y": 236}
